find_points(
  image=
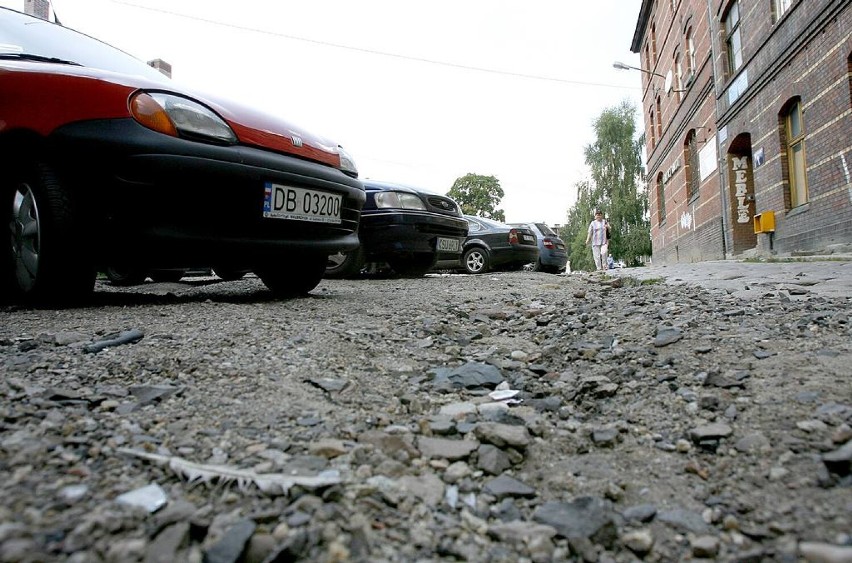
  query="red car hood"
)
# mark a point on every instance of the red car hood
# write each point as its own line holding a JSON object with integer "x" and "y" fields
{"x": 95, "y": 96}
{"x": 262, "y": 129}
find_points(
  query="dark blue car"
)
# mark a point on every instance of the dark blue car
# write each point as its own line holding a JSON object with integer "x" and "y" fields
{"x": 552, "y": 256}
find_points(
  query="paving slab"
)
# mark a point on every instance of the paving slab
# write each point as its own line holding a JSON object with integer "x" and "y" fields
{"x": 829, "y": 277}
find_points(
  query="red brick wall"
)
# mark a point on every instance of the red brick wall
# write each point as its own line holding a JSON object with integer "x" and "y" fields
{"x": 691, "y": 230}
{"x": 805, "y": 54}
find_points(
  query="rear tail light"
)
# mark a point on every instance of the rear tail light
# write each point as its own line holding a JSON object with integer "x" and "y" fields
{"x": 513, "y": 236}
{"x": 548, "y": 243}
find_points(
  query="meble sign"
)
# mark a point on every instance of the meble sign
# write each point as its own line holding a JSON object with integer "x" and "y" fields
{"x": 739, "y": 166}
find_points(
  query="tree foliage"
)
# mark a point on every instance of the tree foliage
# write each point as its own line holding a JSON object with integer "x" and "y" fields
{"x": 574, "y": 231}
{"x": 478, "y": 195}
{"x": 615, "y": 164}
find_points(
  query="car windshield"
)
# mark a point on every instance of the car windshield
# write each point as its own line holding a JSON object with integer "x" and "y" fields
{"x": 491, "y": 223}
{"x": 34, "y": 39}
{"x": 545, "y": 230}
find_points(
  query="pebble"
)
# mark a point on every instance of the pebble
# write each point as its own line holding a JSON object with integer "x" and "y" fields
{"x": 624, "y": 421}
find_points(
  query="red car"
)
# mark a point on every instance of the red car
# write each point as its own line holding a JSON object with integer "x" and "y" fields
{"x": 109, "y": 164}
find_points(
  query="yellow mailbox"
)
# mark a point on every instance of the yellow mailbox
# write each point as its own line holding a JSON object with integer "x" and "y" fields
{"x": 764, "y": 222}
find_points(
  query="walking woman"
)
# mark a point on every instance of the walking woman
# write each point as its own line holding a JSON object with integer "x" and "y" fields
{"x": 597, "y": 236}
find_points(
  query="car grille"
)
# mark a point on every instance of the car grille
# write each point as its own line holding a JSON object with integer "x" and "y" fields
{"x": 443, "y": 205}
{"x": 434, "y": 229}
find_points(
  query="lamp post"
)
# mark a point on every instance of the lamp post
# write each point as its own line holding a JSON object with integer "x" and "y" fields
{"x": 622, "y": 66}
{"x": 667, "y": 79}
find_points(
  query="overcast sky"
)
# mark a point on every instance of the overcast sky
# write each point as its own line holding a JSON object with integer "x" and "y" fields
{"x": 419, "y": 92}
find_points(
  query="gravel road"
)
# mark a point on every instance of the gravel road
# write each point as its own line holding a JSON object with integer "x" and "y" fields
{"x": 505, "y": 417}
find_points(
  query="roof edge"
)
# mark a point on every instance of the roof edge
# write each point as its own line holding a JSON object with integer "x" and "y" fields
{"x": 641, "y": 24}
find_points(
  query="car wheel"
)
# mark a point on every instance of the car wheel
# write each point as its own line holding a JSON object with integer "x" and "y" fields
{"x": 125, "y": 275}
{"x": 230, "y": 274}
{"x": 537, "y": 266}
{"x": 345, "y": 264}
{"x": 296, "y": 277}
{"x": 168, "y": 275}
{"x": 45, "y": 258}
{"x": 413, "y": 267}
{"x": 475, "y": 260}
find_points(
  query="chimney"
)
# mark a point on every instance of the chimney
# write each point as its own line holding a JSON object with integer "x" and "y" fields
{"x": 38, "y": 8}
{"x": 162, "y": 66}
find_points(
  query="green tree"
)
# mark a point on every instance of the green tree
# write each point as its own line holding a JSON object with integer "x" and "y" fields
{"x": 478, "y": 195}
{"x": 615, "y": 164}
{"x": 573, "y": 233}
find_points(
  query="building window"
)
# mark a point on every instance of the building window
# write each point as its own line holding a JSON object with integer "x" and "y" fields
{"x": 653, "y": 129}
{"x": 678, "y": 77}
{"x": 692, "y": 172}
{"x": 779, "y": 7}
{"x": 659, "y": 120}
{"x": 794, "y": 143}
{"x": 733, "y": 39}
{"x": 654, "y": 43}
{"x": 690, "y": 56}
{"x": 849, "y": 73}
{"x": 661, "y": 199}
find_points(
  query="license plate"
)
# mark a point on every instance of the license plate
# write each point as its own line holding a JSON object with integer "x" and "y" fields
{"x": 448, "y": 244}
{"x": 299, "y": 204}
{"x": 528, "y": 238}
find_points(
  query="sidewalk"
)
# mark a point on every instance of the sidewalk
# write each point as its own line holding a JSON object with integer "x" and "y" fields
{"x": 827, "y": 276}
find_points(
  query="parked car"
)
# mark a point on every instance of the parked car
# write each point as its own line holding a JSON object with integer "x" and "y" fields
{"x": 408, "y": 228}
{"x": 552, "y": 256}
{"x": 491, "y": 245}
{"x": 133, "y": 276}
{"x": 108, "y": 163}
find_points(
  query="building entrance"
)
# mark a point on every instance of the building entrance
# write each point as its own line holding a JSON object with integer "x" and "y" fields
{"x": 740, "y": 166}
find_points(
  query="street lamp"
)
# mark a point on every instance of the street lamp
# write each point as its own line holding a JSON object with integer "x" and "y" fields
{"x": 666, "y": 79}
{"x": 621, "y": 66}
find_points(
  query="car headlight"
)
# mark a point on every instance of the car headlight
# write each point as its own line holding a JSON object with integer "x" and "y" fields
{"x": 180, "y": 117}
{"x": 399, "y": 200}
{"x": 347, "y": 163}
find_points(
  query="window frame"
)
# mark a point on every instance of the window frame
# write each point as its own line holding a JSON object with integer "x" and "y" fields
{"x": 661, "y": 199}
{"x": 693, "y": 172}
{"x": 733, "y": 38}
{"x": 678, "y": 76}
{"x": 654, "y": 43}
{"x": 779, "y": 8}
{"x": 794, "y": 148}
{"x": 659, "y": 119}
{"x": 653, "y": 129}
{"x": 690, "y": 53}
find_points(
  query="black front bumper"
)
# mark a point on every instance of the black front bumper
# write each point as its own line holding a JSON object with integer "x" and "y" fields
{"x": 386, "y": 234}
{"x": 159, "y": 201}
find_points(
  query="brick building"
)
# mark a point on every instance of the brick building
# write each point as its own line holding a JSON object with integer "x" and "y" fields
{"x": 747, "y": 109}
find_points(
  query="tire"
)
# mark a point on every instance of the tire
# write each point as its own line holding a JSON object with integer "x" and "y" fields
{"x": 168, "y": 275}
{"x": 45, "y": 260}
{"x": 414, "y": 266}
{"x": 125, "y": 276}
{"x": 230, "y": 274}
{"x": 345, "y": 264}
{"x": 293, "y": 277}
{"x": 537, "y": 266}
{"x": 475, "y": 260}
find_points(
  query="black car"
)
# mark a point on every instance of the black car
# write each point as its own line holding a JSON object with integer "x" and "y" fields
{"x": 407, "y": 228}
{"x": 491, "y": 245}
{"x": 108, "y": 164}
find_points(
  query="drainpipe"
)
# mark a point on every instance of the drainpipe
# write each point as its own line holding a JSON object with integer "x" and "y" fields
{"x": 720, "y": 157}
